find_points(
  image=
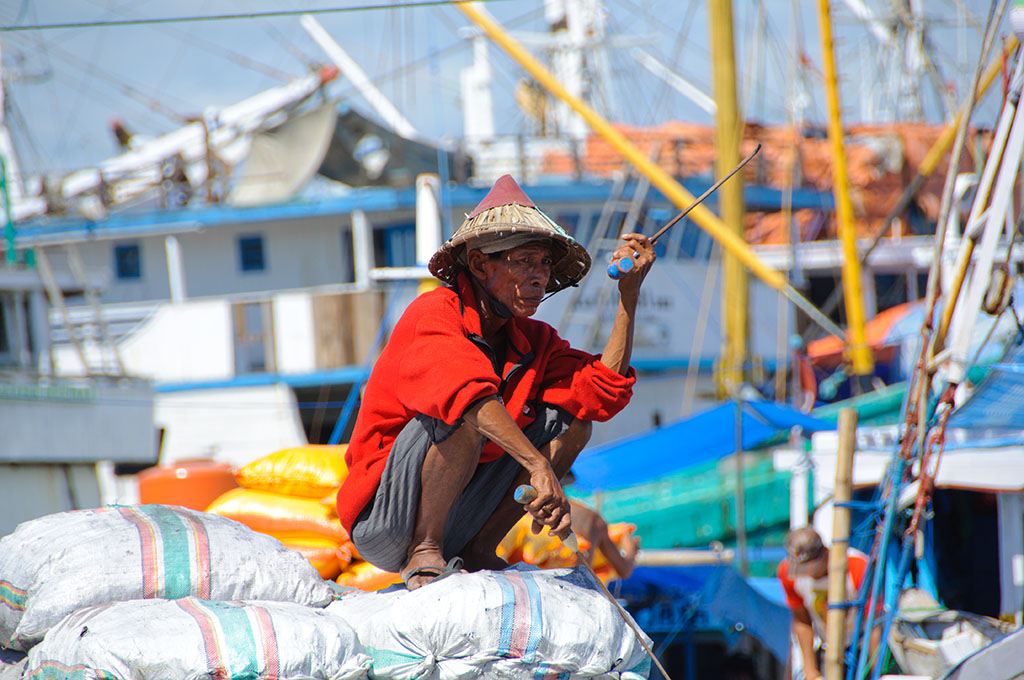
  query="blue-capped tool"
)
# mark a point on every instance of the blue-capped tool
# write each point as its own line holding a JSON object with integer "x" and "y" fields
{"x": 619, "y": 268}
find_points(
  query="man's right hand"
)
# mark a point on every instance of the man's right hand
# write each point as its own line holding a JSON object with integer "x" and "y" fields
{"x": 550, "y": 508}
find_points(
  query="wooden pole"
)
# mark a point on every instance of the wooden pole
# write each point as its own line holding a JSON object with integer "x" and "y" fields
{"x": 835, "y": 621}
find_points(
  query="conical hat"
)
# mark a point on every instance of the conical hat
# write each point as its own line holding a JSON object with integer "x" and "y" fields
{"x": 505, "y": 211}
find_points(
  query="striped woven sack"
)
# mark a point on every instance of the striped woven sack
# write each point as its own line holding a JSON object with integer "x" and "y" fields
{"x": 519, "y": 623}
{"x": 193, "y": 638}
{"x": 56, "y": 564}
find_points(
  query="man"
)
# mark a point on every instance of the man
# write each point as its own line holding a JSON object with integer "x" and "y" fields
{"x": 804, "y": 578}
{"x": 471, "y": 397}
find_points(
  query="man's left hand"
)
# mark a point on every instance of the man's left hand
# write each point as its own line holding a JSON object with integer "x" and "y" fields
{"x": 638, "y": 248}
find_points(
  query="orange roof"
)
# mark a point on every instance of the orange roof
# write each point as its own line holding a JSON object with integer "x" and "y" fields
{"x": 881, "y": 160}
{"x": 876, "y": 332}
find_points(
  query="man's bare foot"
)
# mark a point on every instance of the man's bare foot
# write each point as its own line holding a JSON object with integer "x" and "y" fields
{"x": 423, "y": 566}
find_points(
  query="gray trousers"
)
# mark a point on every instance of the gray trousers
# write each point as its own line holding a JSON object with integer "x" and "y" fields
{"x": 383, "y": 530}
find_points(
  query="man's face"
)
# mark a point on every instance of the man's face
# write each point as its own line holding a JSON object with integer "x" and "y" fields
{"x": 518, "y": 277}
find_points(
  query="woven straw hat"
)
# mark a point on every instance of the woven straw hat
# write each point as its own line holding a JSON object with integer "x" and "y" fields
{"x": 507, "y": 211}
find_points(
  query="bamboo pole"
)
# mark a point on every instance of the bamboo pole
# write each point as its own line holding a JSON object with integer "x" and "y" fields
{"x": 835, "y": 621}
{"x": 859, "y": 351}
{"x": 664, "y": 182}
{"x": 681, "y": 557}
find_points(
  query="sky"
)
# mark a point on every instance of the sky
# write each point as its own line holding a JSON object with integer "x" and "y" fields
{"x": 64, "y": 85}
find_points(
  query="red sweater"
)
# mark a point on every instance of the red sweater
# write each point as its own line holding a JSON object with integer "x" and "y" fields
{"x": 436, "y": 363}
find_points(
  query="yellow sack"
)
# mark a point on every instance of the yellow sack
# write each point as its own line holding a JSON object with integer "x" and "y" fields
{"x": 311, "y": 471}
{"x": 286, "y": 518}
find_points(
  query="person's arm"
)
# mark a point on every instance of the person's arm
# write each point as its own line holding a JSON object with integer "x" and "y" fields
{"x": 621, "y": 563}
{"x": 551, "y": 508}
{"x": 619, "y": 347}
{"x": 591, "y": 526}
{"x": 803, "y": 631}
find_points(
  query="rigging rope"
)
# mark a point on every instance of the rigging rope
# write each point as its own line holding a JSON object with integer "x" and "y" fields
{"x": 924, "y": 421}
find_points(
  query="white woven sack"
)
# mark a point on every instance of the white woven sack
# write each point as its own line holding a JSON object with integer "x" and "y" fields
{"x": 521, "y": 623}
{"x": 51, "y": 566}
{"x": 191, "y": 638}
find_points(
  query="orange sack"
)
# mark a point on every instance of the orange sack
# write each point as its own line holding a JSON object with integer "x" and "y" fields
{"x": 365, "y": 576}
{"x": 324, "y": 554}
{"x": 547, "y": 552}
{"x": 286, "y": 518}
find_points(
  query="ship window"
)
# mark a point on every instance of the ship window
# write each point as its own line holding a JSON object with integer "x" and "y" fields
{"x": 127, "y": 262}
{"x": 395, "y": 246}
{"x": 250, "y": 254}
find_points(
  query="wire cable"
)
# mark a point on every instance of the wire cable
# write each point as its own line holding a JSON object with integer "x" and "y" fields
{"x": 227, "y": 17}
{"x": 213, "y": 48}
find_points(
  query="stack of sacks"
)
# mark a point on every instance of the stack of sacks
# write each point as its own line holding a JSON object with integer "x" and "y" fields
{"x": 547, "y": 552}
{"x": 290, "y": 495}
{"x": 156, "y": 591}
{"x": 517, "y": 623}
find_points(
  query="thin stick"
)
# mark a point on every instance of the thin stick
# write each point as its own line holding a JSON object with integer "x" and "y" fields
{"x": 526, "y": 494}
{"x": 711, "y": 190}
{"x": 622, "y": 612}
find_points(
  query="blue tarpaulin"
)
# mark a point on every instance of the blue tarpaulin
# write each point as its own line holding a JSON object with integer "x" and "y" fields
{"x": 707, "y": 436}
{"x": 997, "y": 405}
{"x": 726, "y": 600}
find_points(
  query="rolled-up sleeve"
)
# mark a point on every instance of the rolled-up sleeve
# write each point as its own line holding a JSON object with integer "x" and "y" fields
{"x": 581, "y": 385}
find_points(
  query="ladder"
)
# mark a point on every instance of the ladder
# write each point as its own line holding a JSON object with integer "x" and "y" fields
{"x": 617, "y": 217}
{"x": 82, "y": 330}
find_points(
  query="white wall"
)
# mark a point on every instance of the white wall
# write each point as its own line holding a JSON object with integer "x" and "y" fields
{"x": 297, "y": 253}
{"x": 194, "y": 341}
{"x": 294, "y": 339}
{"x": 671, "y": 316}
{"x": 183, "y": 342}
{"x": 235, "y": 425}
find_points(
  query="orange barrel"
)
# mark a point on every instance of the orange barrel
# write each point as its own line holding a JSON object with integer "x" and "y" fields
{"x": 189, "y": 483}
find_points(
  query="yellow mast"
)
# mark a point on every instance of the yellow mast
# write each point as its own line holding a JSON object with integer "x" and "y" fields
{"x": 728, "y": 130}
{"x": 859, "y": 352}
{"x": 658, "y": 177}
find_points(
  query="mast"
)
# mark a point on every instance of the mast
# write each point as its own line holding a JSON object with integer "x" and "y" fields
{"x": 862, "y": 363}
{"x": 660, "y": 179}
{"x": 728, "y": 129}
